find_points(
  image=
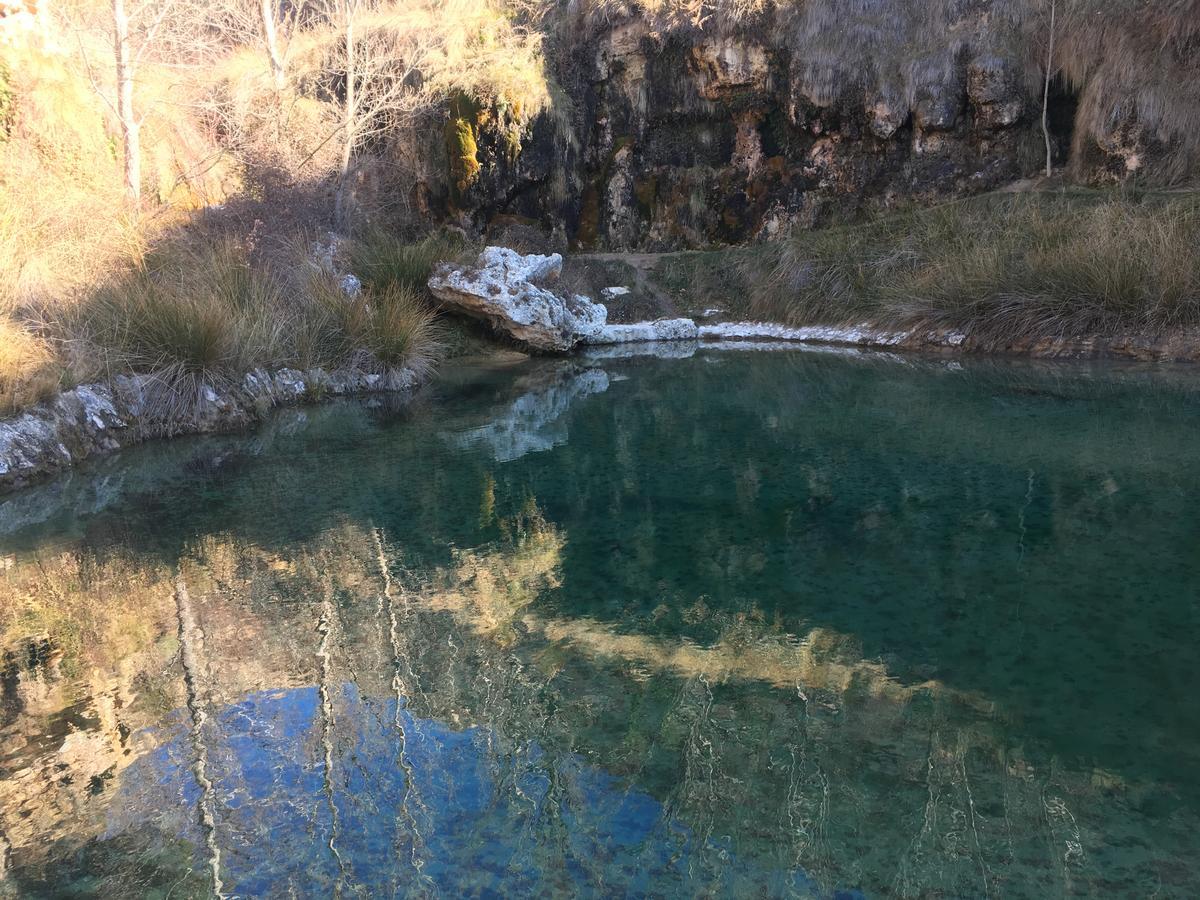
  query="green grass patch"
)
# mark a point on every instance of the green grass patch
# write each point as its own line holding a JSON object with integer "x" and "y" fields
{"x": 382, "y": 261}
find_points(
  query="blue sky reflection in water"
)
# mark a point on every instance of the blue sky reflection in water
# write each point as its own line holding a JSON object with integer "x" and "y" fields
{"x": 771, "y": 624}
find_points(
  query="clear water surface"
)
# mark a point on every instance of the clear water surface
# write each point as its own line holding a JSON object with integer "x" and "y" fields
{"x": 764, "y": 624}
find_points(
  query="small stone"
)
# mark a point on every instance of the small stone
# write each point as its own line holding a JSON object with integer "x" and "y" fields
{"x": 350, "y": 285}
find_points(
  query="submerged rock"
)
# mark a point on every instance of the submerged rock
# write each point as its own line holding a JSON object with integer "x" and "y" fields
{"x": 506, "y": 290}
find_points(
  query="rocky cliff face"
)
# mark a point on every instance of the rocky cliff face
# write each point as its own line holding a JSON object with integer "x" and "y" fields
{"x": 701, "y": 133}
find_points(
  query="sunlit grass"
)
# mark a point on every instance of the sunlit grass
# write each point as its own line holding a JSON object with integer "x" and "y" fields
{"x": 1003, "y": 267}
{"x": 28, "y": 370}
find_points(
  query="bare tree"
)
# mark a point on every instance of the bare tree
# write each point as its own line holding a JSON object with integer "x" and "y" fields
{"x": 267, "y": 24}
{"x": 1046, "y": 89}
{"x": 271, "y": 15}
{"x": 134, "y": 27}
{"x": 381, "y": 84}
{"x": 130, "y": 124}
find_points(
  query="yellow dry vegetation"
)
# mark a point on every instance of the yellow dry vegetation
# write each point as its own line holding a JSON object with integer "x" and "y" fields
{"x": 28, "y": 369}
{"x": 473, "y": 47}
{"x": 64, "y": 224}
{"x": 59, "y": 182}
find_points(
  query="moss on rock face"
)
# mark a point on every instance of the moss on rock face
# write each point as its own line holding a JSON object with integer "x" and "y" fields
{"x": 462, "y": 149}
{"x": 645, "y": 191}
{"x": 511, "y": 139}
{"x": 591, "y": 206}
{"x": 589, "y": 220}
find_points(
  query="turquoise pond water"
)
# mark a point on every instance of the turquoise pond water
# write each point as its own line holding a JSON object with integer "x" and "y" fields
{"x": 754, "y": 624}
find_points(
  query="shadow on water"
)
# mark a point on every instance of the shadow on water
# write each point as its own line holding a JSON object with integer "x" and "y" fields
{"x": 785, "y": 624}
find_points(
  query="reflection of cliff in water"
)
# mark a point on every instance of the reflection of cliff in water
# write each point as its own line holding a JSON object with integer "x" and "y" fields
{"x": 333, "y": 716}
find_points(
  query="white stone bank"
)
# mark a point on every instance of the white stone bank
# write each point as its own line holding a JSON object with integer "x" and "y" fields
{"x": 512, "y": 292}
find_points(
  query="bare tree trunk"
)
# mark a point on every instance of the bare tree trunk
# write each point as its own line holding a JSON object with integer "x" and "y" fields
{"x": 349, "y": 126}
{"x": 129, "y": 125}
{"x": 1046, "y": 91}
{"x": 266, "y": 9}
{"x": 191, "y": 639}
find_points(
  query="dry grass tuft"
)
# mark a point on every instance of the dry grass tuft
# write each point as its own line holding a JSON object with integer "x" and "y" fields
{"x": 396, "y": 328}
{"x": 28, "y": 370}
{"x": 380, "y": 260}
{"x": 388, "y": 326}
{"x": 194, "y": 310}
{"x": 201, "y": 312}
{"x": 1001, "y": 268}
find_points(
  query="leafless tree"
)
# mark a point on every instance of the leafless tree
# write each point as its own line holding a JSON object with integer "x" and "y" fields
{"x": 267, "y": 24}
{"x": 381, "y": 84}
{"x": 1046, "y": 88}
{"x": 135, "y": 27}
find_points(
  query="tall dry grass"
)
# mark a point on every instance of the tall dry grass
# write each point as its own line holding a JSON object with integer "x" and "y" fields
{"x": 29, "y": 371}
{"x": 380, "y": 260}
{"x": 202, "y": 310}
{"x": 199, "y": 310}
{"x": 1001, "y": 267}
{"x": 385, "y": 326}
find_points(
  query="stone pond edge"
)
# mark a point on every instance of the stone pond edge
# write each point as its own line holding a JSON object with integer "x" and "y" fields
{"x": 97, "y": 418}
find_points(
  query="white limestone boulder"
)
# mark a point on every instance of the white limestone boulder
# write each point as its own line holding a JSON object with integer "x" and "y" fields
{"x": 507, "y": 290}
{"x": 636, "y": 332}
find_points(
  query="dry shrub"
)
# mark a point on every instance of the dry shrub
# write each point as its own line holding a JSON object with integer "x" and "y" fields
{"x": 1003, "y": 268}
{"x": 191, "y": 309}
{"x": 279, "y": 135}
{"x": 28, "y": 370}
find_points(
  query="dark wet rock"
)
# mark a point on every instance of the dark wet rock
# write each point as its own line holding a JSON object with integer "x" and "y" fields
{"x": 994, "y": 92}
{"x": 725, "y": 133}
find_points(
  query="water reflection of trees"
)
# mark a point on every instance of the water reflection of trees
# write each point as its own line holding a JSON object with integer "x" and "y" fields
{"x": 767, "y": 760}
{"x": 805, "y": 613}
